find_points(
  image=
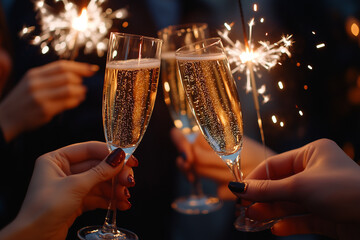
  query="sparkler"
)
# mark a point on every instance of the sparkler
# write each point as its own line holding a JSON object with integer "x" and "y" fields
{"x": 67, "y": 31}
{"x": 246, "y": 58}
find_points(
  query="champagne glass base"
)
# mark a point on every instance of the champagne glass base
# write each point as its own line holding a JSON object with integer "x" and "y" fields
{"x": 95, "y": 233}
{"x": 245, "y": 224}
{"x": 194, "y": 204}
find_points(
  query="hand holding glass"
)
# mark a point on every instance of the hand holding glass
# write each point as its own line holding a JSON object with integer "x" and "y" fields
{"x": 211, "y": 91}
{"x": 175, "y": 37}
{"x": 130, "y": 86}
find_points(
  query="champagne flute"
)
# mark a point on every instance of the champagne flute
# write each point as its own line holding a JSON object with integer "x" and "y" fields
{"x": 175, "y": 37}
{"x": 130, "y": 86}
{"x": 211, "y": 91}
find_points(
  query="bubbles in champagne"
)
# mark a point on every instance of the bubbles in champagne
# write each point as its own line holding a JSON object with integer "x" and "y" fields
{"x": 212, "y": 93}
{"x": 128, "y": 99}
{"x": 175, "y": 98}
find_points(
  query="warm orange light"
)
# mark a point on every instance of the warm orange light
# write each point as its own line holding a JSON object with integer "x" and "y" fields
{"x": 125, "y": 24}
{"x": 352, "y": 27}
{"x": 306, "y": 87}
{"x": 355, "y": 29}
{"x": 80, "y": 23}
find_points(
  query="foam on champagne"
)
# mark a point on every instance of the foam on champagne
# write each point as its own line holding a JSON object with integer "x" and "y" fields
{"x": 134, "y": 64}
{"x": 201, "y": 57}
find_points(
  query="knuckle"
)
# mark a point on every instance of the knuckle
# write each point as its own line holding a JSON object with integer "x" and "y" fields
{"x": 100, "y": 172}
{"x": 31, "y": 73}
{"x": 68, "y": 91}
{"x": 292, "y": 188}
{"x": 262, "y": 186}
{"x": 61, "y": 66}
{"x": 325, "y": 142}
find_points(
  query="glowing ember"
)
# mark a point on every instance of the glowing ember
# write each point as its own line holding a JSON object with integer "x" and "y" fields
{"x": 321, "y": 45}
{"x": 281, "y": 85}
{"x": 67, "y": 31}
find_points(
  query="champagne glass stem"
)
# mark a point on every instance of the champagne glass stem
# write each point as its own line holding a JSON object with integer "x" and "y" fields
{"x": 196, "y": 184}
{"x": 110, "y": 219}
{"x": 235, "y": 168}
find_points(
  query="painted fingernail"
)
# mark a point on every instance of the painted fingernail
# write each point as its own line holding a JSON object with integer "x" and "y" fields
{"x": 126, "y": 192}
{"x": 115, "y": 158}
{"x": 183, "y": 155}
{"x": 131, "y": 179}
{"x": 238, "y": 187}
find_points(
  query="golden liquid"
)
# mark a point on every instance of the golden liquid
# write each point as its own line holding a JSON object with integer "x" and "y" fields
{"x": 128, "y": 100}
{"x": 212, "y": 93}
{"x": 174, "y": 95}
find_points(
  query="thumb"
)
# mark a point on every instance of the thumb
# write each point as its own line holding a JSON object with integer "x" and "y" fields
{"x": 106, "y": 169}
{"x": 263, "y": 190}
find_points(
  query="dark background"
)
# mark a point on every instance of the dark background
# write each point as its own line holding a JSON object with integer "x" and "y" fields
{"x": 330, "y": 105}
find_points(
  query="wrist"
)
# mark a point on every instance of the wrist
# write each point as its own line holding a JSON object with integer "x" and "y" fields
{"x": 19, "y": 229}
{"x": 7, "y": 125}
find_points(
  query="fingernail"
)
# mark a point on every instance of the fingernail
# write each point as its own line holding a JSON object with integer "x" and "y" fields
{"x": 238, "y": 187}
{"x": 115, "y": 157}
{"x": 183, "y": 155}
{"x": 131, "y": 179}
{"x": 126, "y": 192}
{"x": 94, "y": 68}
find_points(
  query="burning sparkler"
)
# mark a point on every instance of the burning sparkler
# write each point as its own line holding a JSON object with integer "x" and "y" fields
{"x": 67, "y": 31}
{"x": 244, "y": 57}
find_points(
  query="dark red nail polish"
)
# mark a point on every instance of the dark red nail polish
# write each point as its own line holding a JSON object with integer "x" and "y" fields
{"x": 115, "y": 158}
{"x": 238, "y": 187}
{"x": 183, "y": 155}
{"x": 131, "y": 179}
{"x": 129, "y": 203}
{"x": 126, "y": 192}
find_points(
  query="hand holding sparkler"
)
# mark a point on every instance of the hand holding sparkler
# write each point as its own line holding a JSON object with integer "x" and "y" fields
{"x": 43, "y": 93}
{"x": 247, "y": 58}
{"x": 68, "y": 31}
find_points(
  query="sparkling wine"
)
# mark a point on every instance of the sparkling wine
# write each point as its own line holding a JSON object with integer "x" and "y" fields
{"x": 128, "y": 100}
{"x": 212, "y": 93}
{"x": 174, "y": 95}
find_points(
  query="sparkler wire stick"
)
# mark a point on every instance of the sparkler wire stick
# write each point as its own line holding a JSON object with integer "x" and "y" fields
{"x": 246, "y": 58}
{"x": 243, "y": 26}
{"x": 251, "y": 76}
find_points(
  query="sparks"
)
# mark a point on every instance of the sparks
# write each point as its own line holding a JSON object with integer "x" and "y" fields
{"x": 281, "y": 85}
{"x": 266, "y": 55}
{"x": 67, "y": 31}
{"x": 321, "y": 45}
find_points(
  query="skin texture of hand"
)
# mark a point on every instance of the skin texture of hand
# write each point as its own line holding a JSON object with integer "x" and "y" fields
{"x": 5, "y": 68}
{"x": 67, "y": 182}
{"x": 208, "y": 164}
{"x": 314, "y": 189}
{"x": 43, "y": 93}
